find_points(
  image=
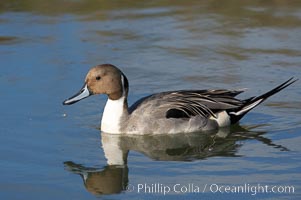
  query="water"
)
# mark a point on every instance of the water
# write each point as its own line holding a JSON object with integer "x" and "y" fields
{"x": 50, "y": 151}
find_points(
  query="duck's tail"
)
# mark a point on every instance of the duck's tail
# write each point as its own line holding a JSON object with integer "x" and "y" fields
{"x": 249, "y": 104}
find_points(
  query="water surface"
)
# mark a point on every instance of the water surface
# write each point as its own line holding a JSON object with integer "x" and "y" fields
{"x": 49, "y": 151}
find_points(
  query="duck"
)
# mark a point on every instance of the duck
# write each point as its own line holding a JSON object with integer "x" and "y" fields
{"x": 169, "y": 112}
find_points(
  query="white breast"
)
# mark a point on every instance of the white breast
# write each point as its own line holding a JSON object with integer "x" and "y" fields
{"x": 112, "y": 114}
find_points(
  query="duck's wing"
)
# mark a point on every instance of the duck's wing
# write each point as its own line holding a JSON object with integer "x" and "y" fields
{"x": 206, "y": 103}
{"x": 188, "y": 103}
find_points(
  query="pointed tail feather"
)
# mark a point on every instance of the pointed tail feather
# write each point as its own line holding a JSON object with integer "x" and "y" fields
{"x": 251, "y": 103}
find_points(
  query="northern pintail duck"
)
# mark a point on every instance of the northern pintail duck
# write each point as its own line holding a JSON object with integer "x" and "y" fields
{"x": 165, "y": 112}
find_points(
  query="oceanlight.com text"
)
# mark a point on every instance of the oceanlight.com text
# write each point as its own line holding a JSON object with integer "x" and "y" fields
{"x": 177, "y": 188}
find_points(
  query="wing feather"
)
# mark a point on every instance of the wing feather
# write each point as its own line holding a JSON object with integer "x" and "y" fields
{"x": 202, "y": 102}
{"x": 188, "y": 103}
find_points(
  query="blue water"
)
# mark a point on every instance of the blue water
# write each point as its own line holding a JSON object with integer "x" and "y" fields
{"x": 50, "y": 151}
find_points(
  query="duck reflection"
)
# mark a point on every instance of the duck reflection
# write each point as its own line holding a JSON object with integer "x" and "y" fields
{"x": 167, "y": 147}
{"x": 170, "y": 147}
{"x": 109, "y": 180}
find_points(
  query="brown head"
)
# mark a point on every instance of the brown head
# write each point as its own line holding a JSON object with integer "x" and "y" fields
{"x": 102, "y": 79}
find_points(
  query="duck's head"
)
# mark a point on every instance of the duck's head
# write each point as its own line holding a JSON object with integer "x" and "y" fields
{"x": 102, "y": 79}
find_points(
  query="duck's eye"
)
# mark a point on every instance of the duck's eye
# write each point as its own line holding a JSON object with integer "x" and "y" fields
{"x": 98, "y": 78}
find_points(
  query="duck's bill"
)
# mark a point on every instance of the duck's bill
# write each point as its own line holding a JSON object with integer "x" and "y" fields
{"x": 83, "y": 93}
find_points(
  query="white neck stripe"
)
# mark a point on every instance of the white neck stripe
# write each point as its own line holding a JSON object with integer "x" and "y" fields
{"x": 122, "y": 82}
